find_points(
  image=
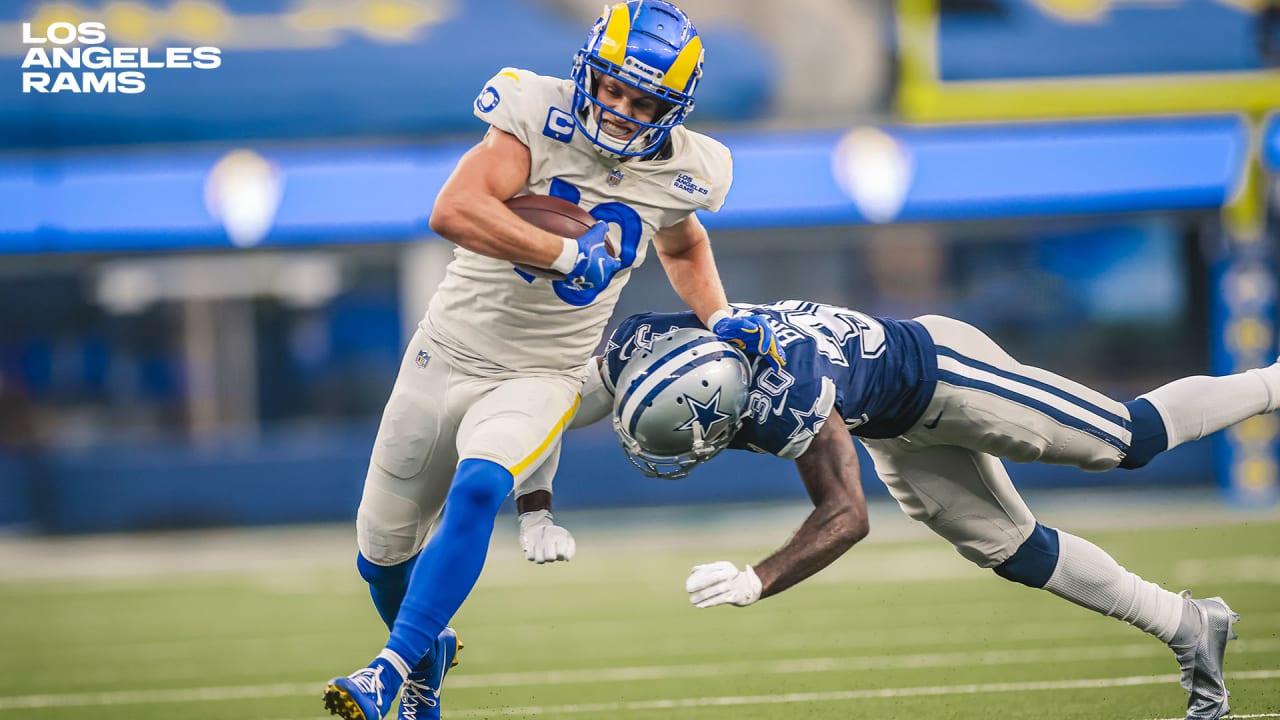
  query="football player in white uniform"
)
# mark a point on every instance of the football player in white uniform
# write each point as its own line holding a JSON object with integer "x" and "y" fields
{"x": 937, "y": 404}
{"x": 493, "y": 373}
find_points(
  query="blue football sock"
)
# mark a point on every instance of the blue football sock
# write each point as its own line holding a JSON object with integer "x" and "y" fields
{"x": 450, "y": 564}
{"x": 387, "y": 585}
{"x": 1149, "y": 435}
{"x": 1036, "y": 559}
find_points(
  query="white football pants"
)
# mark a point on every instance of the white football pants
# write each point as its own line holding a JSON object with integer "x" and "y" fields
{"x": 945, "y": 471}
{"x": 438, "y": 415}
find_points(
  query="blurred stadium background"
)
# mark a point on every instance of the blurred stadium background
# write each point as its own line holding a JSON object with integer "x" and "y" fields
{"x": 205, "y": 288}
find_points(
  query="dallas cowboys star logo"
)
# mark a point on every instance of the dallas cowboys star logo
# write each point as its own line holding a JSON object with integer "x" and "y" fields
{"x": 704, "y": 414}
{"x": 807, "y": 422}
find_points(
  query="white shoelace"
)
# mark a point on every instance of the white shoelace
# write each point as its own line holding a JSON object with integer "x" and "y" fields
{"x": 369, "y": 680}
{"x": 416, "y": 693}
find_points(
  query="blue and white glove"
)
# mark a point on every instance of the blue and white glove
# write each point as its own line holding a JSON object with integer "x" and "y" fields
{"x": 592, "y": 265}
{"x": 751, "y": 333}
{"x": 542, "y": 540}
{"x": 720, "y": 583}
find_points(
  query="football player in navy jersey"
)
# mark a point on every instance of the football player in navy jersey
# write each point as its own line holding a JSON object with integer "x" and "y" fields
{"x": 937, "y": 404}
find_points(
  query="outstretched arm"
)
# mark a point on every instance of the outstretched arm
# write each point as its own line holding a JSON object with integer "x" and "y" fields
{"x": 829, "y": 469}
{"x": 685, "y": 252}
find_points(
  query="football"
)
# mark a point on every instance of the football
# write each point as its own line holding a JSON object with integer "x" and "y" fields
{"x": 558, "y": 216}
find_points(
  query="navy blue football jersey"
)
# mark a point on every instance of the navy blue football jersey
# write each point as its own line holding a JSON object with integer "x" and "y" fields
{"x": 877, "y": 373}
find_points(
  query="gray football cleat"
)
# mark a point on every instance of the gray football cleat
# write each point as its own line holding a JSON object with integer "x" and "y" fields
{"x": 1201, "y": 661}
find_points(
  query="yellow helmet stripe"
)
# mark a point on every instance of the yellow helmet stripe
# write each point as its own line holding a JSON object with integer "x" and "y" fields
{"x": 685, "y": 63}
{"x": 613, "y": 45}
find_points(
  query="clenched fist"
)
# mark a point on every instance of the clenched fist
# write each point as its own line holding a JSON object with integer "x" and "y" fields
{"x": 542, "y": 540}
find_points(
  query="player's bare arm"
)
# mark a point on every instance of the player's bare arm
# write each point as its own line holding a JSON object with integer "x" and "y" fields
{"x": 469, "y": 211}
{"x": 685, "y": 252}
{"x": 829, "y": 469}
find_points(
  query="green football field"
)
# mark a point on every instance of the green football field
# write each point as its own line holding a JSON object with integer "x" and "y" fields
{"x": 250, "y": 624}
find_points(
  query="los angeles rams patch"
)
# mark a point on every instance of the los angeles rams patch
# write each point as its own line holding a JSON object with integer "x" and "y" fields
{"x": 488, "y": 99}
{"x": 691, "y": 184}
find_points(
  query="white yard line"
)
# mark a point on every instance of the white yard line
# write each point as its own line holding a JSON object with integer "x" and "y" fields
{"x": 1234, "y": 716}
{"x": 665, "y": 672}
{"x": 845, "y": 695}
{"x": 836, "y": 664}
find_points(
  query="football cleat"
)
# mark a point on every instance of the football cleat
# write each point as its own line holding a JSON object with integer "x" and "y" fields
{"x": 1201, "y": 660}
{"x": 365, "y": 694}
{"x": 420, "y": 698}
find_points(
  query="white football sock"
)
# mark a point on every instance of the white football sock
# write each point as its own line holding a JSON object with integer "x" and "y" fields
{"x": 1271, "y": 378}
{"x": 1194, "y": 407}
{"x": 396, "y": 661}
{"x": 1089, "y": 577}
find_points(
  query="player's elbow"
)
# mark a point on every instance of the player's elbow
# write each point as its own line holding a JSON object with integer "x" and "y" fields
{"x": 854, "y": 526}
{"x": 446, "y": 218}
{"x": 861, "y": 528}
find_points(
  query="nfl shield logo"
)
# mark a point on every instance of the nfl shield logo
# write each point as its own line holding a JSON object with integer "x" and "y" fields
{"x": 615, "y": 177}
{"x": 422, "y": 358}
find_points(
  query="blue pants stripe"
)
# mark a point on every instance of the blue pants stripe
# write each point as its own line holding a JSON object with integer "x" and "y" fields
{"x": 1037, "y": 384}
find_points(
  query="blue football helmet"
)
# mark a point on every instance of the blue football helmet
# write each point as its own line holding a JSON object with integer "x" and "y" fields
{"x": 650, "y": 45}
{"x": 680, "y": 402}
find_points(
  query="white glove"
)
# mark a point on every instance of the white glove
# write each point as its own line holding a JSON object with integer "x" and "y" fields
{"x": 721, "y": 582}
{"x": 544, "y": 541}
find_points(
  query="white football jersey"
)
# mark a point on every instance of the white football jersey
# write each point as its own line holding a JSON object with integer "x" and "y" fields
{"x": 494, "y": 321}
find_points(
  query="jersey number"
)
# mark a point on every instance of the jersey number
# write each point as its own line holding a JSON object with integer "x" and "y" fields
{"x": 614, "y": 213}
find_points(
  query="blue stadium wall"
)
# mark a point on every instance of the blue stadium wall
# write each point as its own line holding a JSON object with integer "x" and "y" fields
{"x": 782, "y": 181}
{"x": 285, "y": 478}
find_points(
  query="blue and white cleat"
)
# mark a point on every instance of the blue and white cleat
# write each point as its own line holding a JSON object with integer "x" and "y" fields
{"x": 1201, "y": 661}
{"x": 365, "y": 694}
{"x": 420, "y": 699}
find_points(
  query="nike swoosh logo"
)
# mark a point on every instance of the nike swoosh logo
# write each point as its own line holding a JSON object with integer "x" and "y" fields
{"x": 934, "y": 424}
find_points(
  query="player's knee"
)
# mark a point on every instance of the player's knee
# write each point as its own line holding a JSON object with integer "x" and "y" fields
{"x": 379, "y": 553}
{"x": 479, "y": 485}
{"x": 980, "y": 539}
{"x": 378, "y": 574}
{"x": 1149, "y": 437}
{"x": 1035, "y": 560}
{"x": 387, "y": 526}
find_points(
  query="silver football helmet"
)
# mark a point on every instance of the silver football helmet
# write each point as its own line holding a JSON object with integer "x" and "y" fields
{"x": 680, "y": 402}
